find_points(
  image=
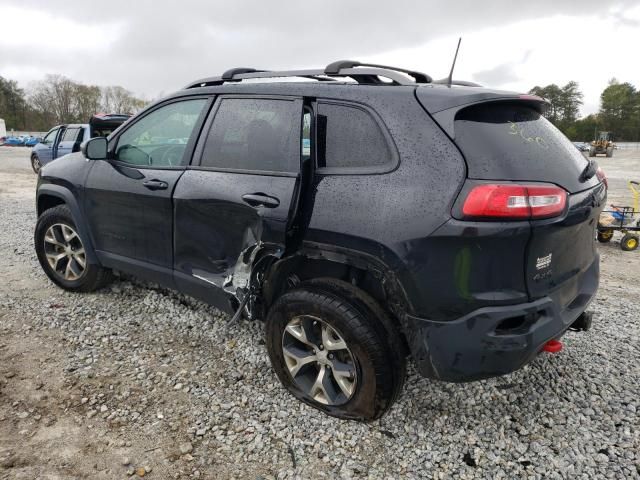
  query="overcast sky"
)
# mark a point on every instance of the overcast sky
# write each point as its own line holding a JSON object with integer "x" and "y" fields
{"x": 154, "y": 47}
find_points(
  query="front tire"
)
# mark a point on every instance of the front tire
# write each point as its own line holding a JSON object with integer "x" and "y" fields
{"x": 62, "y": 254}
{"x": 35, "y": 164}
{"x": 332, "y": 352}
{"x": 605, "y": 236}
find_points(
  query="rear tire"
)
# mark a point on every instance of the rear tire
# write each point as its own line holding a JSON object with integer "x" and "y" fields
{"x": 610, "y": 152}
{"x": 62, "y": 254}
{"x": 629, "y": 242}
{"x": 592, "y": 152}
{"x": 374, "y": 354}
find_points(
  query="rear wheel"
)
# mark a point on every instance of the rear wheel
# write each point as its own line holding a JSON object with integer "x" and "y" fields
{"x": 629, "y": 242}
{"x": 610, "y": 152}
{"x": 35, "y": 163}
{"x": 332, "y": 352}
{"x": 62, "y": 254}
{"x": 605, "y": 236}
{"x": 592, "y": 152}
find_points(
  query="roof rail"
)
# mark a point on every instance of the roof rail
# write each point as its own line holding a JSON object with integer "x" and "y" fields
{"x": 335, "y": 67}
{"x": 369, "y": 75}
{"x": 229, "y": 74}
{"x": 462, "y": 83}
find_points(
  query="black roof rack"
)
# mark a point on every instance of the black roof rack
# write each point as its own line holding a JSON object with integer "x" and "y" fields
{"x": 363, "y": 73}
{"x": 229, "y": 74}
{"x": 335, "y": 67}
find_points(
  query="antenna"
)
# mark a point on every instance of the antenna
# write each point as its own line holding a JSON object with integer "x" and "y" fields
{"x": 450, "y": 79}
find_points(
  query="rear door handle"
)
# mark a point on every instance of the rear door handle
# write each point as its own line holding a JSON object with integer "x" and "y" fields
{"x": 260, "y": 199}
{"x": 156, "y": 185}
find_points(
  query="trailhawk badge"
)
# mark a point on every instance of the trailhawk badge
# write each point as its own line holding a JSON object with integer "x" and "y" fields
{"x": 543, "y": 262}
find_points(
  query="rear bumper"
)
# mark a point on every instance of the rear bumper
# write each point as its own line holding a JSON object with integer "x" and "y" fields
{"x": 493, "y": 341}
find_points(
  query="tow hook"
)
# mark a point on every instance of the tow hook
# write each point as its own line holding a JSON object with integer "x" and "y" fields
{"x": 582, "y": 323}
{"x": 552, "y": 346}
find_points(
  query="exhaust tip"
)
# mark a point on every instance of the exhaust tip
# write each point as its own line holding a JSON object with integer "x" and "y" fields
{"x": 552, "y": 346}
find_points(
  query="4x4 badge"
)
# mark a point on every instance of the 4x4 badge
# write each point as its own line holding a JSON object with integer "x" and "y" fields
{"x": 543, "y": 262}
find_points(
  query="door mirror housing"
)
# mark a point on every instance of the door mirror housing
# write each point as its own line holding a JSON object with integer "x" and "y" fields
{"x": 95, "y": 148}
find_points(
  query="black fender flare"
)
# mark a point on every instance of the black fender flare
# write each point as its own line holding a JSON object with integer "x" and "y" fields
{"x": 70, "y": 201}
{"x": 317, "y": 251}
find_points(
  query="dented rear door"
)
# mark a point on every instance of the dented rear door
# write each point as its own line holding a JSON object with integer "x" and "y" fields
{"x": 239, "y": 193}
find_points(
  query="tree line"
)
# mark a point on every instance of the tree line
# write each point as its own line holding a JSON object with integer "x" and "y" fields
{"x": 57, "y": 99}
{"x": 619, "y": 111}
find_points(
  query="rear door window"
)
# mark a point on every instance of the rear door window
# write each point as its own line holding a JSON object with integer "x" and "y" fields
{"x": 510, "y": 141}
{"x": 254, "y": 135}
{"x": 71, "y": 135}
{"x": 350, "y": 139}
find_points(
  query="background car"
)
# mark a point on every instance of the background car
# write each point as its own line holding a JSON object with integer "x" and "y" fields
{"x": 582, "y": 146}
{"x": 64, "y": 139}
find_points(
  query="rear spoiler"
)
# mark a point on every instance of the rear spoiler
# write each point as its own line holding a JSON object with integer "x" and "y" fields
{"x": 444, "y": 103}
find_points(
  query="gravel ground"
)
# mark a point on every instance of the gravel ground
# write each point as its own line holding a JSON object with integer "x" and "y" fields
{"x": 138, "y": 380}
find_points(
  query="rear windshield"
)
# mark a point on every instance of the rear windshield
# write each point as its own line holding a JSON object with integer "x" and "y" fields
{"x": 103, "y": 130}
{"x": 510, "y": 141}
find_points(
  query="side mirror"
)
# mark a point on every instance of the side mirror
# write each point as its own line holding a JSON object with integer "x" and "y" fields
{"x": 95, "y": 148}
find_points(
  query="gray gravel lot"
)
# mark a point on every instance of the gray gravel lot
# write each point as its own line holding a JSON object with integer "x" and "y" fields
{"x": 138, "y": 380}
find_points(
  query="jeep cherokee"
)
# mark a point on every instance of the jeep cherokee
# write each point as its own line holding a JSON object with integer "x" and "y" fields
{"x": 367, "y": 214}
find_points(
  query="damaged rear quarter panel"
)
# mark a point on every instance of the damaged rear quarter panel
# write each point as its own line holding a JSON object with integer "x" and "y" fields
{"x": 390, "y": 216}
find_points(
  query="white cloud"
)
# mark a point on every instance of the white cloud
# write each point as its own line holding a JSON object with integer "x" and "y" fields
{"x": 589, "y": 49}
{"x": 153, "y": 46}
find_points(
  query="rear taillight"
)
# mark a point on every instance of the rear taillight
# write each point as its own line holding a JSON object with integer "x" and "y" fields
{"x": 512, "y": 201}
{"x": 602, "y": 177}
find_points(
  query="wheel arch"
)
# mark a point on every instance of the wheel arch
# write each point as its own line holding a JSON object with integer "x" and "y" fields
{"x": 50, "y": 196}
{"x": 362, "y": 270}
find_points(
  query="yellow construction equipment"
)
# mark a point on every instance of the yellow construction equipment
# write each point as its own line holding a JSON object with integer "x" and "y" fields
{"x": 603, "y": 144}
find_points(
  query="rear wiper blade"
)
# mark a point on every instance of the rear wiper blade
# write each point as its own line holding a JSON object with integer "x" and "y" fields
{"x": 589, "y": 171}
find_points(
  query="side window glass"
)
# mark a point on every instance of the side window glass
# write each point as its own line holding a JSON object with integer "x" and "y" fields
{"x": 351, "y": 138}
{"x": 160, "y": 138}
{"x": 50, "y": 137}
{"x": 70, "y": 134}
{"x": 254, "y": 134}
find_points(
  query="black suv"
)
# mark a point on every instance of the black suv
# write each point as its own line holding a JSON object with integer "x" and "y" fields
{"x": 366, "y": 213}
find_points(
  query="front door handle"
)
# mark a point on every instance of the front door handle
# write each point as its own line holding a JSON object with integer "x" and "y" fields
{"x": 156, "y": 185}
{"x": 260, "y": 199}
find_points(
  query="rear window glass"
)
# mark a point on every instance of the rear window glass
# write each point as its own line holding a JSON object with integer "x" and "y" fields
{"x": 349, "y": 138}
{"x": 507, "y": 141}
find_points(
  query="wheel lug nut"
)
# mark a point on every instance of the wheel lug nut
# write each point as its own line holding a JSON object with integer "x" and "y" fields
{"x": 321, "y": 347}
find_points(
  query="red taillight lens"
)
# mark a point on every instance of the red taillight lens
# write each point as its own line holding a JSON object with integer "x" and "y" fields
{"x": 602, "y": 177}
{"x": 518, "y": 202}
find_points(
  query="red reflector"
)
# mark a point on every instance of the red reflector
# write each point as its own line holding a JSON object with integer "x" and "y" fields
{"x": 602, "y": 177}
{"x": 552, "y": 346}
{"x": 512, "y": 201}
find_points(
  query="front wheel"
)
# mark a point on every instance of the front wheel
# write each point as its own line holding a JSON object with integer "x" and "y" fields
{"x": 605, "y": 236}
{"x": 35, "y": 164}
{"x": 331, "y": 352}
{"x": 62, "y": 254}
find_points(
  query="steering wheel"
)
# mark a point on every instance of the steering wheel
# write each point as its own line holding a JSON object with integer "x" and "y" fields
{"x": 134, "y": 150}
{"x": 172, "y": 155}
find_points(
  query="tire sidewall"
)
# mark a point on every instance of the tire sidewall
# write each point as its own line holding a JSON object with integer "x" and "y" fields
{"x": 362, "y": 405}
{"x": 48, "y": 218}
{"x": 34, "y": 159}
